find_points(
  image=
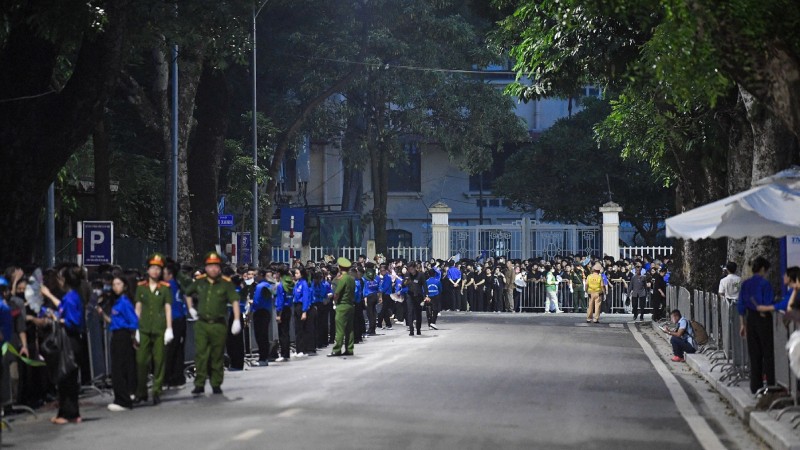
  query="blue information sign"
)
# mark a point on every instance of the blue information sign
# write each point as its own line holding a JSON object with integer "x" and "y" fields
{"x": 225, "y": 220}
{"x": 98, "y": 243}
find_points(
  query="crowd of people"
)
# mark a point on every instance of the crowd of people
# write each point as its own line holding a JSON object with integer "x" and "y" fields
{"x": 46, "y": 315}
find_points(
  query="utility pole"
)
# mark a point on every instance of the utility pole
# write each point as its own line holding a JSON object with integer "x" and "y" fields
{"x": 50, "y": 228}
{"x": 174, "y": 187}
{"x": 255, "y": 237}
{"x": 480, "y": 199}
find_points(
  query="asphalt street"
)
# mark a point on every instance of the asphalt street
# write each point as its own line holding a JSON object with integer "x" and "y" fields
{"x": 481, "y": 381}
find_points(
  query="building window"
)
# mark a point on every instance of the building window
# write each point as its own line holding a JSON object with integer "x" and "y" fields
{"x": 398, "y": 238}
{"x": 494, "y": 172}
{"x": 491, "y": 203}
{"x": 288, "y": 174}
{"x": 406, "y": 176}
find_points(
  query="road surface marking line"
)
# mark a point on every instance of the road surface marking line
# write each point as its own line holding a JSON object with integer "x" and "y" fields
{"x": 291, "y": 412}
{"x": 705, "y": 435}
{"x": 247, "y": 435}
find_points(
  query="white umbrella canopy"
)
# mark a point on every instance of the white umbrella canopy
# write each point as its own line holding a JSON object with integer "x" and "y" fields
{"x": 770, "y": 208}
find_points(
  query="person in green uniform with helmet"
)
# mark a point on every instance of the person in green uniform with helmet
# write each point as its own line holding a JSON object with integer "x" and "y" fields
{"x": 343, "y": 302}
{"x": 154, "y": 308}
{"x": 213, "y": 292}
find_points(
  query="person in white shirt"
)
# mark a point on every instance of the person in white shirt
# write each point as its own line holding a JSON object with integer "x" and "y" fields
{"x": 729, "y": 286}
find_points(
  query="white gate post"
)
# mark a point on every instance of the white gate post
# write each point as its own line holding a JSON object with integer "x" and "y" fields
{"x": 440, "y": 230}
{"x": 611, "y": 212}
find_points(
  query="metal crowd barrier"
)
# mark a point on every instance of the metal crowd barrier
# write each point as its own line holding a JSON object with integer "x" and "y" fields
{"x": 727, "y": 350}
{"x": 533, "y": 297}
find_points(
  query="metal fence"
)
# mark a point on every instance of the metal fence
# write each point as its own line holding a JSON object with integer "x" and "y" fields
{"x": 726, "y": 349}
{"x": 632, "y": 252}
{"x": 524, "y": 239}
{"x": 409, "y": 253}
{"x": 533, "y": 298}
{"x": 351, "y": 253}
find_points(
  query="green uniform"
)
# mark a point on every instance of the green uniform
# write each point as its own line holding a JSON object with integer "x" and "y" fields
{"x": 345, "y": 291}
{"x": 211, "y": 298}
{"x": 578, "y": 295}
{"x": 152, "y": 324}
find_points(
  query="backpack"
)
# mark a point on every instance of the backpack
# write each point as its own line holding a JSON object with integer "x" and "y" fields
{"x": 699, "y": 333}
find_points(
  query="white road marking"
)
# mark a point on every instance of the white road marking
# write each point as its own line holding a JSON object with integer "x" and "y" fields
{"x": 705, "y": 435}
{"x": 291, "y": 412}
{"x": 247, "y": 435}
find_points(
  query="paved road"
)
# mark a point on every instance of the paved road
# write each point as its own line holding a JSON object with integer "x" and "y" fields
{"x": 481, "y": 381}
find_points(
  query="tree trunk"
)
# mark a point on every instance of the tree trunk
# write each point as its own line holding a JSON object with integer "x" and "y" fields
{"x": 740, "y": 167}
{"x": 38, "y": 135}
{"x": 773, "y": 147}
{"x": 379, "y": 171}
{"x": 698, "y": 184}
{"x": 189, "y": 72}
{"x": 102, "y": 166}
{"x": 207, "y": 148}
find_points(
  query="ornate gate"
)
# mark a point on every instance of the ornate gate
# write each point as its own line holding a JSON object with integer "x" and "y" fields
{"x": 524, "y": 239}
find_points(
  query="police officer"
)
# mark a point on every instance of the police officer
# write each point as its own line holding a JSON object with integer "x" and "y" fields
{"x": 154, "y": 308}
{"x": 213, "y": 293}
{"x": 343, "y": 298}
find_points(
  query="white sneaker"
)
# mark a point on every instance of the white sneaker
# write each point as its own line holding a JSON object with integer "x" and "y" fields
{"x": 433, "y": 326}
{"x": 280, "y": 359}
{"x": 300, "y": 355}
{"x": 117, "y": 408}
{"x": 559, "y": 311}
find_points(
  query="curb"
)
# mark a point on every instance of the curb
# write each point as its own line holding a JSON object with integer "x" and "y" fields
{"x": 777, "y": 435}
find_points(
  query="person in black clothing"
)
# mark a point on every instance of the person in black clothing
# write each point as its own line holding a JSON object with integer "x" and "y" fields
{"x": 659, "y": 294}
{"x": 480, "y": 290}
{"x": 499, "y": 289}
{"x": 417, "y": 294}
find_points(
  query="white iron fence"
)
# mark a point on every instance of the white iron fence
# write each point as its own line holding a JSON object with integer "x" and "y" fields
{"x": 351, "y": 253}
{"x": 409, "y": 253}
{"x": 524, "y": 239}
{"x": 632, "y": 252}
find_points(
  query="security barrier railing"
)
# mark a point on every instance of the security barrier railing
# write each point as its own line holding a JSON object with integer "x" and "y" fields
{"x": 533, "y": 297}
{"x": 726, "y": 348}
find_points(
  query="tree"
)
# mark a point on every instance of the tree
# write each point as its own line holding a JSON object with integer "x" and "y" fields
{"x": 564, "y": 174}
{"x": 58, "y": 66}
{"x": 679, "y": 79}
{"x": 414, "y": 94}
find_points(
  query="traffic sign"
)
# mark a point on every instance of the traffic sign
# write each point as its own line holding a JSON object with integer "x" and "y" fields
{"x": 98, "y": 243}
{"x": 225, "y": 220}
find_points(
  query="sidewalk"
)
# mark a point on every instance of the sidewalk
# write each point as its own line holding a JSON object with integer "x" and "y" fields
{"x": 778, "y": 434}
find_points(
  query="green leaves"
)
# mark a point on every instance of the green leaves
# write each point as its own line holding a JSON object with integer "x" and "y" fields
{"x": 564, "y": 174}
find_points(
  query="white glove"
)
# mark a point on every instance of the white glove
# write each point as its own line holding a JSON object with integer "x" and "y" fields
{"x": 137, "y": 337}
{"x": 168, "y": 336}
{"x": 193, "y": 313}
{"x": 236, "y": 328}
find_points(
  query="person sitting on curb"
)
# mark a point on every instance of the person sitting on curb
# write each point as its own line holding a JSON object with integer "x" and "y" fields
{"x": 682, "y": 339}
